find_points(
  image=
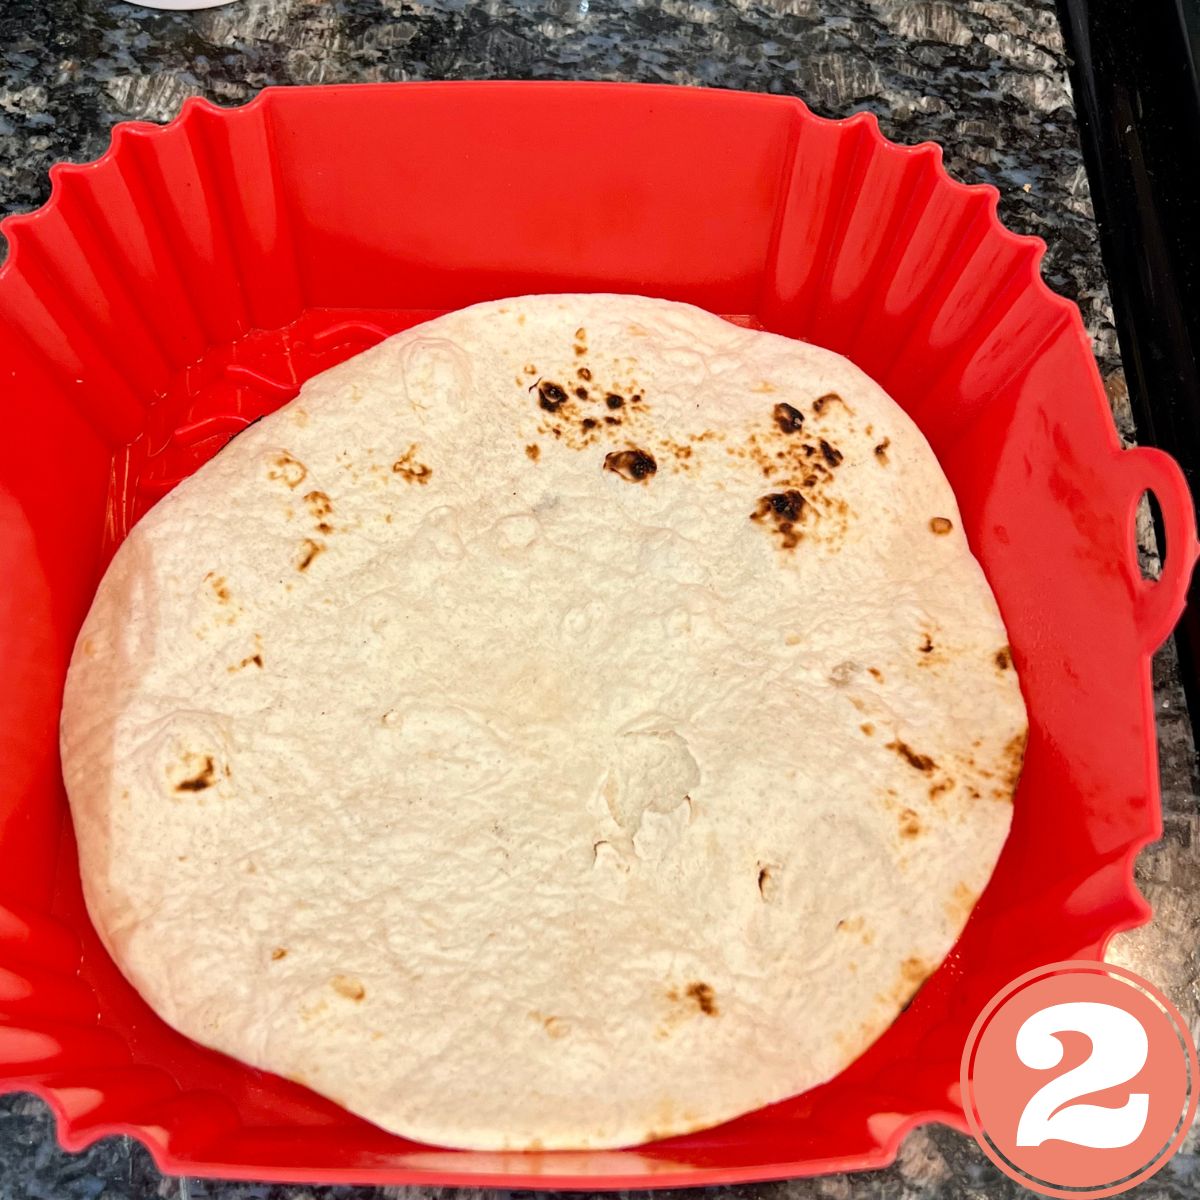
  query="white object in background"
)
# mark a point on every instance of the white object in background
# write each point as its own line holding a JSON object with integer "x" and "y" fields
{"x": 180, "y": 5}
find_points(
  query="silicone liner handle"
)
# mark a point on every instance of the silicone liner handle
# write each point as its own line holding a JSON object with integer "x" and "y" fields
{"x": 1160, "y": 602}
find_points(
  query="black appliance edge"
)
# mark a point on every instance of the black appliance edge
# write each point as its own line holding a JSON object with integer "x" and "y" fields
{"x": 1133, "y": 72}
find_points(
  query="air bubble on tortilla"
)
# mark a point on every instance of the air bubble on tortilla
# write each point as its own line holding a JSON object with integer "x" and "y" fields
{"x": 518, "y": 530}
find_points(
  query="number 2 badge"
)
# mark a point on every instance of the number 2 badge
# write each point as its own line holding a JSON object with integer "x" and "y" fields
{"x": 1079, "y": 1079}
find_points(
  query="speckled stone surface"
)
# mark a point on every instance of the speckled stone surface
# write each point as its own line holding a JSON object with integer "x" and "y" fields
{"x": 985, "y": 78}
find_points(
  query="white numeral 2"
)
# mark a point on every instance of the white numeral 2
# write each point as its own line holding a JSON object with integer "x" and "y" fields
{"x": 1119, "y": 1048}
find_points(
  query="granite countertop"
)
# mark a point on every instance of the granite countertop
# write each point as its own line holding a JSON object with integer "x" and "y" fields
{"x": 985, "y": 78}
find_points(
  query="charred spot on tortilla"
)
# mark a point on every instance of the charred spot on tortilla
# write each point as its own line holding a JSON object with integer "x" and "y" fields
{"x": 309, "y": 550}
{"x": 614, "y": 401}
{"x": 784, "y": 510}
{"x": 881, "y": 450}
{"x": 1003, "y": 658}
{"x": 829, "y": 454}
{"x": 348, "y": 986}
{"x": 409, "y": 469}
{"x": 199, "y": 782}
{"x": 585, "y": 374}
{"x": 767, "y": 882}
{"x": 926, "y": 646}
{"x": 789, "y": 419}
{"x": 278, "y": 953}
{"x": 550, "y": 396}
{"x": 533, "y": 452}
{"x": 919, "y": 762}
{"x": 940, "y": 525}
{"x": 319, "y": 504}
{"x": 588, "y": 423}
{"x": 789, "y": 505}
{"x": 910, "y": 824}
{"x": 290, "y": 470}
{"x": 581, "y": 393}
{"x": 556, "y": 1027}
{"x": 821, "y": 403}
{"x": 219, "y": 586}
{"x": 633, "y": 465}
{"x": 701, "y": 994}
{"x": 1014, "y": 760}
{"x": 913, "y": 973}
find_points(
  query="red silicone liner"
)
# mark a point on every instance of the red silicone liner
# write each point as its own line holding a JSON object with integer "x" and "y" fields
{"x": 191, "y": 278}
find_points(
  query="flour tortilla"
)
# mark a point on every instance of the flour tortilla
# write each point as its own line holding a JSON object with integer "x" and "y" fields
{"x": 429, "y": 748}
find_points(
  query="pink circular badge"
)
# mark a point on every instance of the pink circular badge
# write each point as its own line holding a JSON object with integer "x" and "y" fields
{"x": 1079, "y": 1079}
